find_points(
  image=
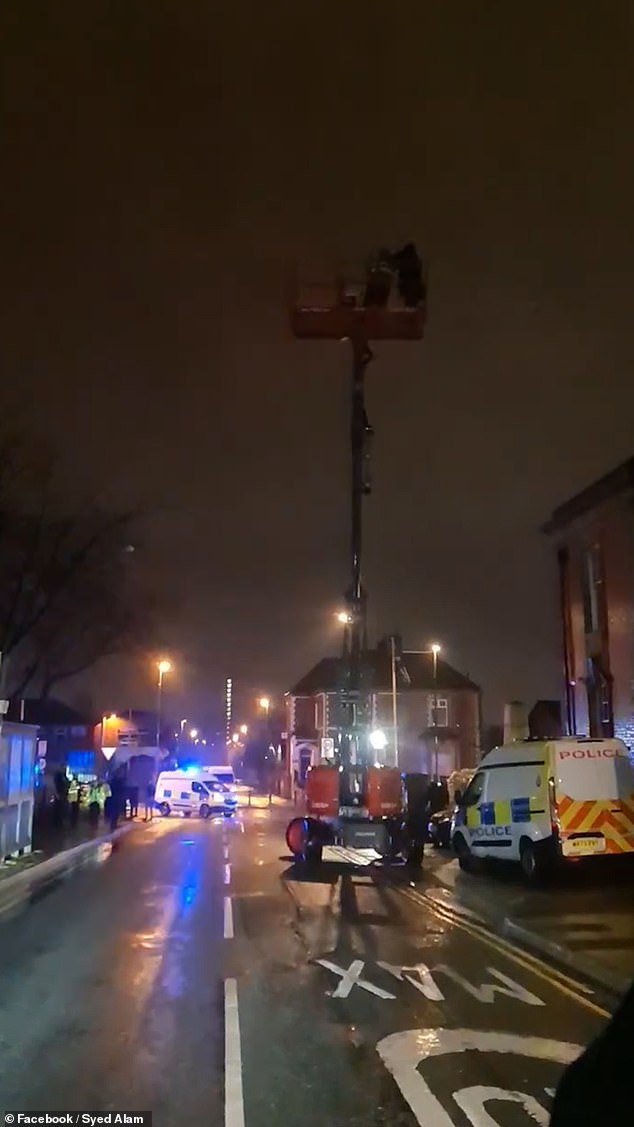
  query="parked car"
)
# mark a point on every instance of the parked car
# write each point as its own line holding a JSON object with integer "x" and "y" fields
{"x": 439, "y": 828}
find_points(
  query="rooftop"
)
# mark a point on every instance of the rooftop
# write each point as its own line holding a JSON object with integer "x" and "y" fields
{"x": 613, "y": 484}
{"x": 416, "y": 673}
{"x": 47, "y": 712}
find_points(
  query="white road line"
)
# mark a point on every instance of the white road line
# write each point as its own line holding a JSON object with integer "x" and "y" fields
{"x": 227, "y": 874}
{"x": 529, "y": 962}
{"x": 226, "y": 852}
{"x": 228, "y": 918}
{"x": 234, "y": 1100}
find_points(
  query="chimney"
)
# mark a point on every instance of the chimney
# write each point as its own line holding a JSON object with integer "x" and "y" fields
{"x": 515, "y": 721}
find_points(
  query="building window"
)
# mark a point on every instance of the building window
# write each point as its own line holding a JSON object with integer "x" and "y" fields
{"x": 438, "y": 712}
{"x": 593, "y": 590}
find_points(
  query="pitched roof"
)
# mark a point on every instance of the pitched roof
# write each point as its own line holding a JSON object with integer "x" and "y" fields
{"x": 327, "y": 675}
{"x": 45, "y": 712}
{"x": 612, "y": 484}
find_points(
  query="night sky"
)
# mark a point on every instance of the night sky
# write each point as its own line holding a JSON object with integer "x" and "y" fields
{"x": 166, "y": 164}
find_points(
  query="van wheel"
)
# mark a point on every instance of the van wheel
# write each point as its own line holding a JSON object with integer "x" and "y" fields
{"x": 204, "y": 810}
{"x": 465, "y": 857}
{"x": 313, "y": 854}
{"x": 165, "y": 809}
{"x": 532, "y": 862}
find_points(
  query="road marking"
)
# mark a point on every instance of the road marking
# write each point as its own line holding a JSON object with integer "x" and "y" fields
{"x": 486, "y": 993}
{"x": 446, "y": 899}
{"x": 472, "y": 1101}
{"x": 403, "y": 1053}
{"x": 419, "y": 976}
{"x": 562, "y": 982}
{"x": 352, "y": 977}
{"x": 228, "y": 918}
{"x": 225, "y": 852}
{"x": 227, "y": 874}
{"x": 234, "y": 1099}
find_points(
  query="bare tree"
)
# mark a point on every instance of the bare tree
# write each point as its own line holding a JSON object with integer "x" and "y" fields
{"x": 68, "y": 595}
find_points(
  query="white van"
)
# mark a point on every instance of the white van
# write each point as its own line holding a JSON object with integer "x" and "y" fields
{"x": 221, "y": 774}
{"x": 542, "y": 801}
{"x": 192, "y": 792}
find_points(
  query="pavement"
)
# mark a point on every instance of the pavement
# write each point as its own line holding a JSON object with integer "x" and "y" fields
{"x": 195, "y": 971}
{"x": 584, "y": 921}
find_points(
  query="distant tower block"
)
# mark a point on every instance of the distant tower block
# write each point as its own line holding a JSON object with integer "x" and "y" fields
{"x": 228, "y": 708}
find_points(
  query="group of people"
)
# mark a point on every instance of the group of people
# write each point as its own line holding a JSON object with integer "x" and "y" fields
{"x": 124, "y": 797}
{"x": 116, "y": 798}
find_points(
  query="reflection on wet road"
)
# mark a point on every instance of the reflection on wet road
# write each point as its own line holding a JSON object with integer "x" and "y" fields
{"x": 197, "y": 973}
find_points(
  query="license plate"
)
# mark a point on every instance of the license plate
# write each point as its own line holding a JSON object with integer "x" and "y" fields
{"x": 576, "y": 845}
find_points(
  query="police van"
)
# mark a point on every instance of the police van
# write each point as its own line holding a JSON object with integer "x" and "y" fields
{"x": 540, "y": 802}
{"x": 192, "y": 791}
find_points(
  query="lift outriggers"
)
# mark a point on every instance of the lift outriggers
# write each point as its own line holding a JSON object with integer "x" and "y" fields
{"x": 352, "y": 802}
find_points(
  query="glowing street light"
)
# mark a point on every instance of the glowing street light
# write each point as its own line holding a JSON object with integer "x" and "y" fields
{"x": 244, "y": 729}
{"x": 193, "y": 734}
{"x": 265, "y": 704}
{"x": 235, "y": 738}
{"x": 344, "y": 617}
{"x": 378, "y": 740}
{"x": 164, "y": 666}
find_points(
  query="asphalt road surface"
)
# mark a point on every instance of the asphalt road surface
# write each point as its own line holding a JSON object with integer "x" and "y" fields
{"x": 196, "y": 973}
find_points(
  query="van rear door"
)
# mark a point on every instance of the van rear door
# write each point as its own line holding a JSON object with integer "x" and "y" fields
{"x": 593, "y": 796}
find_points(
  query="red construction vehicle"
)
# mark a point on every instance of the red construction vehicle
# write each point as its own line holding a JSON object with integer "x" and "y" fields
{"x": 352, "y": 801}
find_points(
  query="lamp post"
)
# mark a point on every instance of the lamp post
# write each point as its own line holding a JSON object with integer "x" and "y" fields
{"x": 164, "y": 666}
{"x": 435, "y": 649}
{"x": 265, "y": 704}
{"x": 394, "y": 699}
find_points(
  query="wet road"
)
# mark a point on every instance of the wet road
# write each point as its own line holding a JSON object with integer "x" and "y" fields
{"x": 196, "y": 973}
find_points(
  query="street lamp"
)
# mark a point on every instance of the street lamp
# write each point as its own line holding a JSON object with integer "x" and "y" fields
{"x": 244, "y": 729}
{"x": 265, "y": 704}
{"x": 344, "y": 617}
{"x": 378, "y": 740}
{"x": 164, "y": 666}
{"x": 435, "y": 650}
{"x": 193, "y": 733}
{"x": 235, "y": 738}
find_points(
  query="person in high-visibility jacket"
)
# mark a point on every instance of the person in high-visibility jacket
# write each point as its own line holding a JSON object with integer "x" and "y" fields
{"x": 94, "y": 802}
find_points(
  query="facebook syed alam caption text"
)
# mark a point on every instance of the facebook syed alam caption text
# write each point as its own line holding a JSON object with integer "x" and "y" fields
{"x": 84, "y": 1118}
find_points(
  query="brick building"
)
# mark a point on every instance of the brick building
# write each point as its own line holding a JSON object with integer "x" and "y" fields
{"x": 594, "y": 537}
{"x": 438, "y": 718}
